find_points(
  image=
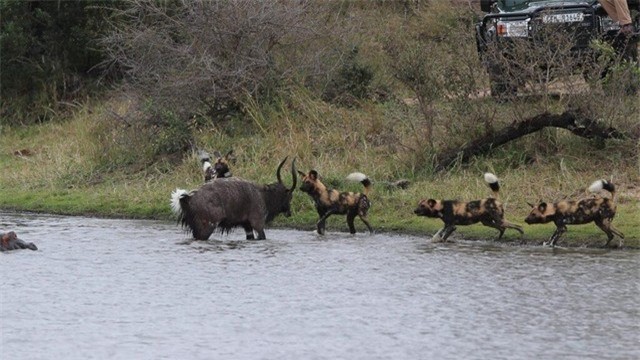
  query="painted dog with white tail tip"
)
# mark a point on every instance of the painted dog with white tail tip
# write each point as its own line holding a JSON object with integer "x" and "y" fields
{"x": 600, "y": 210}
{"x": 489, "y": 212}
{"x": 331, "y": 201}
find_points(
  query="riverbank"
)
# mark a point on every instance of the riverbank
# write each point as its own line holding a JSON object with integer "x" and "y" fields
{"x": 58, "y": 168}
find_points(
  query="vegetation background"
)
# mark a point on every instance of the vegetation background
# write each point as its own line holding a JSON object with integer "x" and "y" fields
{"x": 105, "y": 104}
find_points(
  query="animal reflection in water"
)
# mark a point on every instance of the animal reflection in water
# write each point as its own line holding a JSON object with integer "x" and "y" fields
{"x": 227, "y": 203}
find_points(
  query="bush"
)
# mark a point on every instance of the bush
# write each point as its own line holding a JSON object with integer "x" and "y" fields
{"x": 48, "y": 55}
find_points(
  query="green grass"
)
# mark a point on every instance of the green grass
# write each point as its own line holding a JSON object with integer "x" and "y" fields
{"x": 92, "y": 162}
{"x": 67, "y": 179}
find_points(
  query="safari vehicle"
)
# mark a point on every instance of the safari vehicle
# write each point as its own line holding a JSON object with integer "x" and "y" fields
{"x": 511, "y": 24}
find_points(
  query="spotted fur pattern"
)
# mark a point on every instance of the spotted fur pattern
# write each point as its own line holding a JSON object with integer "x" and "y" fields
{"x": 489, "y": 212}
{"x": 331, "y": 201}
{"x": 219, "y": 168}
{"x": 600, "y": 210}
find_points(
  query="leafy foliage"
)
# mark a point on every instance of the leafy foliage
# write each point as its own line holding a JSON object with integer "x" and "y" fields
{"x": 208, "y": 56}
{"x": 49, "y": 54}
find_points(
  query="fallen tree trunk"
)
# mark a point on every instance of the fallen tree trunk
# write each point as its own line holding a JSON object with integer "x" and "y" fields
{"x": 572, "y": 121}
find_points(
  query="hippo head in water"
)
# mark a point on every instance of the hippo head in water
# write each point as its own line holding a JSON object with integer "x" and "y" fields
{"x": 10, "y": 241}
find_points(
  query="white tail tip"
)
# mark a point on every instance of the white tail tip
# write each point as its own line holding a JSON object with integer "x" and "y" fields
{"x": 596, "y": 186}
{"x": 205, "y": 166}
{"x": 357, "y": 177}
{"x": 490, "y": 178}
{"x": 175, "y": 200}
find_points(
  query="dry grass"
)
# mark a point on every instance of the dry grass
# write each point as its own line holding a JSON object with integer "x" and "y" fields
{"x": 93, "y": 163}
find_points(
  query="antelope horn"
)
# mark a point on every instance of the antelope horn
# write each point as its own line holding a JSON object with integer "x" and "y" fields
{"x": 278, "y": 171}
{"x": 293, "y": 174}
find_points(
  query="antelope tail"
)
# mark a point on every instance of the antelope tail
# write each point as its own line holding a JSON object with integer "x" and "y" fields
{"x": 175, "y": 200}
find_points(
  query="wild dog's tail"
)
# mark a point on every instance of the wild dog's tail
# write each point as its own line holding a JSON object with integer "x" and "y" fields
{"x": 204, "y": 156}
{"x": 176, "y": 196}
{"x": 599, "y": 185}
{"x": 492, "y": 180}
{"x": 362, "y": 179}
{"x": 205, "y": 159}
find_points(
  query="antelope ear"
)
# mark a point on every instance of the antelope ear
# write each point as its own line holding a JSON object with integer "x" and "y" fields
{"x": 301, "y": 173}
{"x": 530, "y": 204}
{"x": 217, "y": 154}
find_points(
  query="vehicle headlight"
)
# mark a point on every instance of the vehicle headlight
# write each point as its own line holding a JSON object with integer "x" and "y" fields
{"x": 513, "y": 28}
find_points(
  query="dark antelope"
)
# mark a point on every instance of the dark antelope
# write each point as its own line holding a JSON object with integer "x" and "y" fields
{"x": 227, "y": 203}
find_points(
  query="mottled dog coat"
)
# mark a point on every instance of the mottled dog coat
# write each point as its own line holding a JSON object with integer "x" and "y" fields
{"x": 600, "y": 210}
{"x": 220, "y": 168}
{"x": 331, "y": 201}
{"x": 487, "y": 211}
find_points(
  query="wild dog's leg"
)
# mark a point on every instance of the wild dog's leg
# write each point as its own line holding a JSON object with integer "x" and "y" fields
{"x": 612, "y": 228}
{"x": 493, "y": 224}
{"x": 261, "y": 234}
{"x": 561, "y": 229}
{"x": 448, "y": 230}
{"x": 350, "y": 218}
{"x": 322, "y": 222}
{"x": 363, "y": 207}
{"x": 437, "y": 237}
{"x": 366, "y": 222}
{"x": 509, "y": 225}
{"x": 606, "y": 226}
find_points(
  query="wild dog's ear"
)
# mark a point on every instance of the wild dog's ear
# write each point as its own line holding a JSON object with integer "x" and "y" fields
{"x": 313, "y": 175}
{"x": 530, "y": 204}
{"x": 217, "y": 154}
{"x": 542, "y": 206}
{"x": 431, "y": 202}
{"x": 230, "y": 157}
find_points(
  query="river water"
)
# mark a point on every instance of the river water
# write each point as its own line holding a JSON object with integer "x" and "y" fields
{"x": 129, "y": 289}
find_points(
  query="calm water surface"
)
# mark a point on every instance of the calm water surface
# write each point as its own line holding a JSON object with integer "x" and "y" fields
{"x": 123, "y": 289}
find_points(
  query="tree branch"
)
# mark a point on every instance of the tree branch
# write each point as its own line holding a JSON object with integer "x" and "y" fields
{"x": 575, "y": 122}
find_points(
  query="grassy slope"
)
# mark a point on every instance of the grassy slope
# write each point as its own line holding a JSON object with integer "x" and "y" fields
{"x": 77, "y": 166}
{"x": 63, "y": 176}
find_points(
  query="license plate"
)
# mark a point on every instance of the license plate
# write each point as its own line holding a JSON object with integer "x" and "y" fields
{"x": 562, "y": 18}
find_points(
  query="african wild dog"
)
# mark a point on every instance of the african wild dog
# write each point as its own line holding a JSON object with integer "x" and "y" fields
{"x": 600, "y": 210}
{"x": 453, "y": 212}
{"x": 331, "y": 201}
{"x": 226, "y": 203}
{"x": 219, "y": 169}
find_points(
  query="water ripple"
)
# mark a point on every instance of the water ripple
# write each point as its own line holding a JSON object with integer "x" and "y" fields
{"x": 118, "y": 289}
